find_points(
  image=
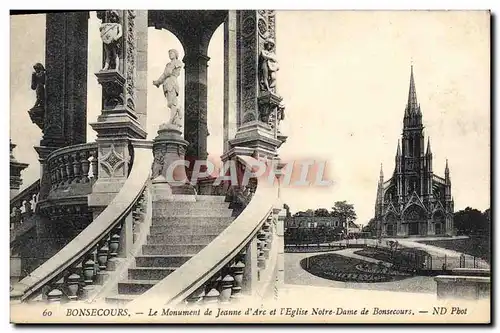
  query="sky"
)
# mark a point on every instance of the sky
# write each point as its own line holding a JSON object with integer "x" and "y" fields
{"x": 344, "y": 77}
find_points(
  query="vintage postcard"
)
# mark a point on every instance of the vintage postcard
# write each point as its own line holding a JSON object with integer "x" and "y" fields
{"x": 250, "y": 166}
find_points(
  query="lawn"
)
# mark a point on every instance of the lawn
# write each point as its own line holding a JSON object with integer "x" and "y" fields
{"x": 339, "y": 268}
{"x": 478, "y": 246}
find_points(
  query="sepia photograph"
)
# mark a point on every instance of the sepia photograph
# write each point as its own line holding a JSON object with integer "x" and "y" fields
{"x": 250, "y": 166}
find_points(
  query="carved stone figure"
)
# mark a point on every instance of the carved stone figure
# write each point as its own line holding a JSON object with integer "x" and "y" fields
{"x": 37, "y": 112}
{"x": 281, "y": 112}
{"x": 38, "y": 84}
{"x": 268, "y": 66}
{"x": 171, "y": 87}
{"x": 111, "y": 33}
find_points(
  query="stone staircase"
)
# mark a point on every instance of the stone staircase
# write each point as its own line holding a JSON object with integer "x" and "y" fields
{"x": 179, "y": 230}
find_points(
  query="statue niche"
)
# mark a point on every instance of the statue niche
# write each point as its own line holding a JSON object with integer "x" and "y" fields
{"x": 111, "y": 33}
{"x": 37, "y": 112}
{"x": 171, "y": 88}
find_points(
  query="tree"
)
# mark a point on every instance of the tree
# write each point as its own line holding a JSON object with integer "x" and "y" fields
{"x": 322, "y": 212}
{"x": 470, "y": 221}
{"x": 371, "y": 227}
{"x": 345, "y": 212}
{"x": 308, "y": 212}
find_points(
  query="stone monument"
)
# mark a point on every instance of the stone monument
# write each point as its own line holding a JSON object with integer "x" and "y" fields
{"x": 169, "y": 146}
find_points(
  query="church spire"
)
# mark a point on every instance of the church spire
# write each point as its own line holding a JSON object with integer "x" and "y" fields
{"x": 398, "y": 151}
{"x": 429, "y": 151}
{"x": 412, "y": 105}
{"x": 381, "y": 174}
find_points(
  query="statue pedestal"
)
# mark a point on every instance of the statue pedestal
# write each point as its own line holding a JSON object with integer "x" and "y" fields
{"x": 37, "y": 116}
{"x": 252, "y": 138}
{"x": 169, "y": 149}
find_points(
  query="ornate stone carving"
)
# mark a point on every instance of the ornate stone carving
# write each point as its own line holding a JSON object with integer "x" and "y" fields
{"x": 111, "y": 32}
{"x": 171, "y": 87}
{"x": 131, "y": 52}
{"x": 159, "y": 153}
{"x": 112, "y": 161}
{"x": 112, "y": 83}
{"x": 37, "y": 112}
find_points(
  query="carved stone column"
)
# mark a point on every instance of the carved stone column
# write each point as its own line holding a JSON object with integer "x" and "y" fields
{"x": 257, "y": 106}
{"x": 195, "y": 116}
{"x": 15, "y": 172}
{"x": 119, "y": 120}
{"x": 230, "y": 78}
{"x": 65, "y": 121}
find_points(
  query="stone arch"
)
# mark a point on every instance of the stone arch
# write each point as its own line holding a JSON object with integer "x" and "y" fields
{"x": 439, "y": 221}
{"x": 158, "y": 112}
{"x": 215, "y": 93}
{"x": 390, "y": 194}
{"x": 390, "y": 224}
{"x": 416, "y": 219}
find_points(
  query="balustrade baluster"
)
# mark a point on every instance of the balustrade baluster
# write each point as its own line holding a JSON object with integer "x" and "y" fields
{"x": 196, "y": 297}
{"x": 84, "y": 163}
{"x": 54, "y": 295}
{"x": 69, "y": 168}
{"x": 73, "y": 286}
{"x": 52, "y": 173}
{"x": 54, "y": 170}
{"x": 102, "y": 255}
{"x": 226, "y": 288}
{"x": 114, "y": 242}
{"x": 76, "y": 168}
{"x": 62, "y": 171}
{"x": 94, "y": 165}
{"x": 237, "y": 270}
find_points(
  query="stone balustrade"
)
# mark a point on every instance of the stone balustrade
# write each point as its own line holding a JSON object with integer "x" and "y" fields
{"x": 237, "y": 280}
{"x": 23, "y": 205}
{"x": 84, "y": 264}
{"x": 73, "y": 170}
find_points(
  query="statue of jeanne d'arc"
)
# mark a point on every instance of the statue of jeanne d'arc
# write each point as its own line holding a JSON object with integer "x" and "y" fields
{"x": 171, "y": 87}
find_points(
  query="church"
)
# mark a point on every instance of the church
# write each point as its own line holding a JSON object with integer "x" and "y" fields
{"x": 414, "y": 201}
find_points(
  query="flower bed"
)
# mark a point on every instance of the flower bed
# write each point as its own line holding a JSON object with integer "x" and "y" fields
{"x": 339, "y": 268}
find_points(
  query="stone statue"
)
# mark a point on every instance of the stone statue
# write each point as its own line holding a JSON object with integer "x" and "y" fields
{"x": 268, "y": 66}
{"x": 171, "y": 87}
{"x": 38, "y": 84}
{"x": 111, "y": 33}
{"x": 281, "y": 112}
{"x": 37, "y": 112}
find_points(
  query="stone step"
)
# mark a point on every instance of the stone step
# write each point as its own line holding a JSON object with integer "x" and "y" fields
{"x": 194, "y": 212}
{"x": 180, "y": 239}
{"x": 160, "y": 249}
{"x": 187, "y": 221}
{"x": 120, "y": 299}
{"x": 187, "y": 229}
{"x": 135, "y": 287}
{"x": 212, "y": 198}
{"x": 189, "y": 205}
{"x": 149, "y": 273}
{"x": 161, "y": 260}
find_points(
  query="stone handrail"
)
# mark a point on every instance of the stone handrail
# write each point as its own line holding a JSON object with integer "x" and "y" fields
{"x": 245, "y": 237}
{"x": 23, "y": 205}
{"x": 90, "y": 250}
{"x": 73, "y": 165}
